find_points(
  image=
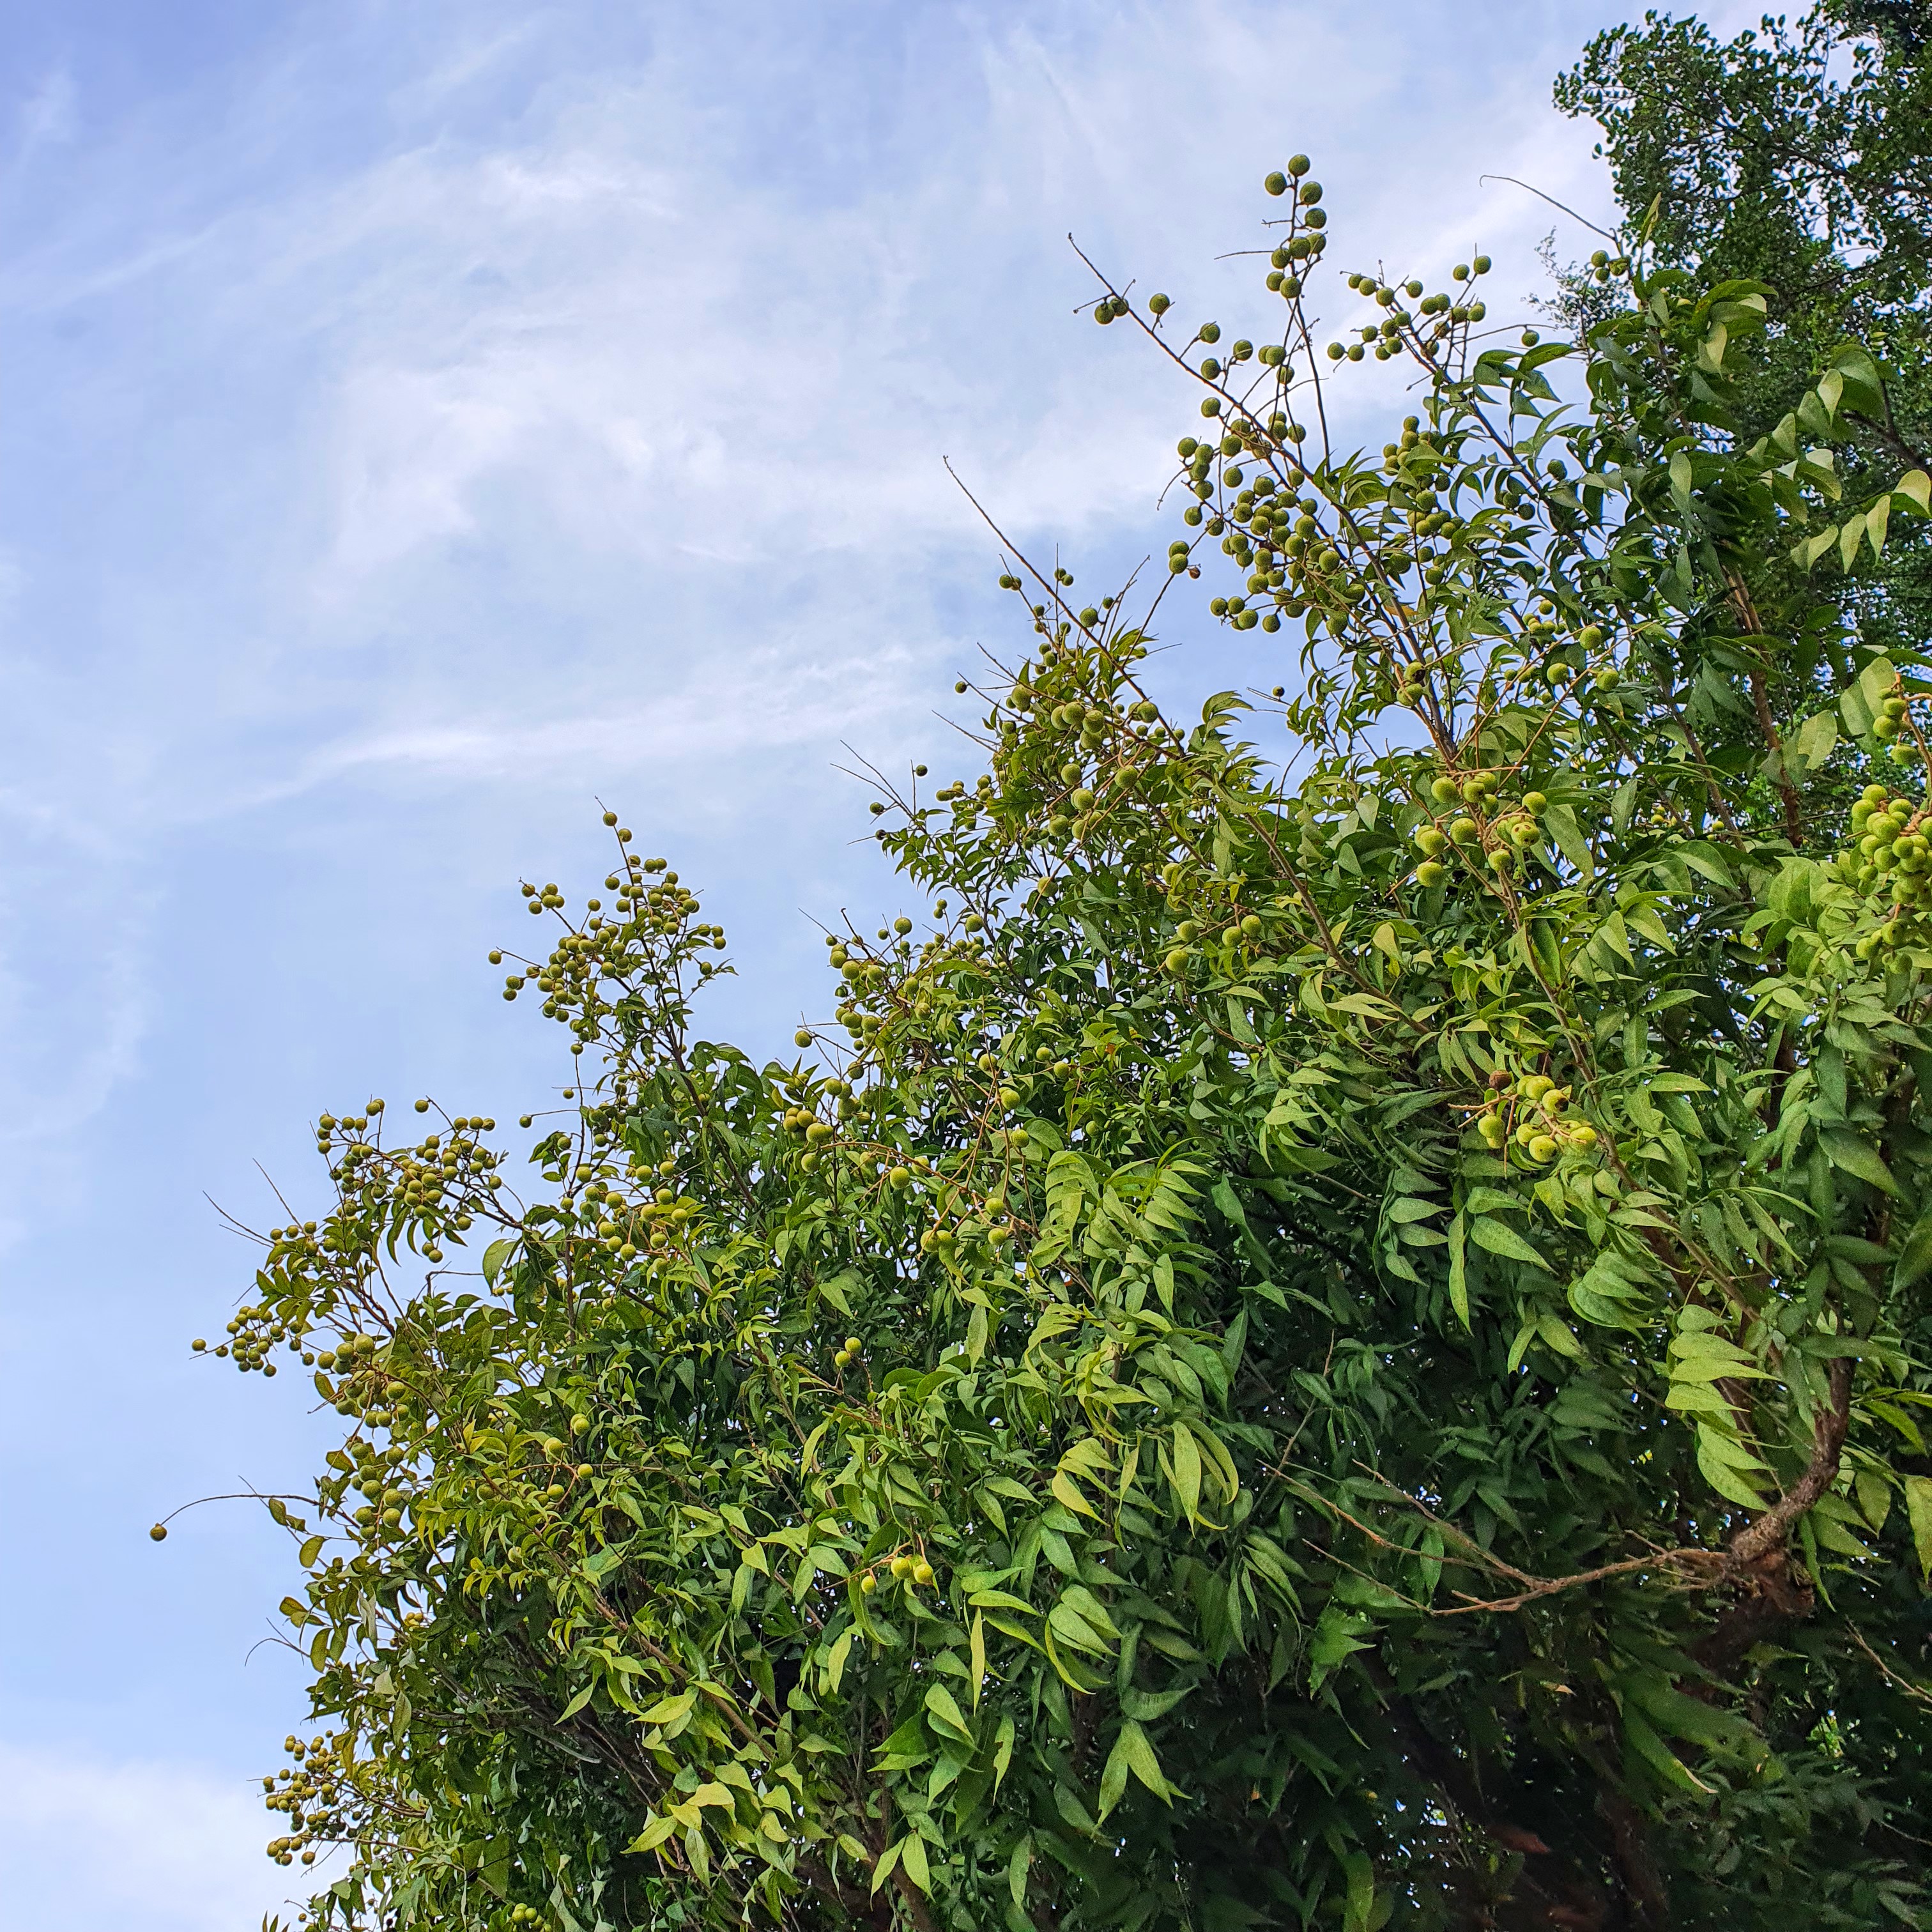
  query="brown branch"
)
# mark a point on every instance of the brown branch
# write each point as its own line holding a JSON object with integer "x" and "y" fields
{"x": 1771, "y": 1531}
{"x": 1701, "y": 1567}
{"x": 1917, "y": 1692}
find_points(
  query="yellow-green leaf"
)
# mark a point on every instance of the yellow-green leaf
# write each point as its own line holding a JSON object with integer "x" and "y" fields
{"x": 913, "y": 1857}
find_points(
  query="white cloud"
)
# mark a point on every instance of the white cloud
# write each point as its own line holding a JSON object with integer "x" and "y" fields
{"x": 166, "y": 1847}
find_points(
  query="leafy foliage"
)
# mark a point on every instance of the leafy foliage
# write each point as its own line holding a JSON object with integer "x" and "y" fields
{"x": 1800, "y": 157}
{"x": 1338, "y": 1345}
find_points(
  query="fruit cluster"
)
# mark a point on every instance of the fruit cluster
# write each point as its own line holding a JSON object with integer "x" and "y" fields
{"x": 1531, "y": 1110}
{"x": 312, "y": 1793}
{"x": 906, "y": 1568}
{"x": 1891, "y": 860}
{"x": 1496, "y": 833}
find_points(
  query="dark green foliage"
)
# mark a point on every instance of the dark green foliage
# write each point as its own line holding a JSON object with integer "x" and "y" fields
{"x": 1799, "y": 156}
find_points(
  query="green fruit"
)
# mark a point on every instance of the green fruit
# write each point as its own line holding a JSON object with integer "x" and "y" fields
{"x": 1464, "y": 830}
{"x": 159, "y": 1533}
{"x": 1276, "y": 184}
{"x": 1445, "y": 791}
{"x": 1429, "y": 873}
{"x": 802, "y": 1038}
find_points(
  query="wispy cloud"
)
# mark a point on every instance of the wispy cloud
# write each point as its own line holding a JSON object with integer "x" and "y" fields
{"x": 45, "y": 117}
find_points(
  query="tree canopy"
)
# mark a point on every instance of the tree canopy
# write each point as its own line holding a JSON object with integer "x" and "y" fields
{"x": 1333, "y": 1340}
{"x": 1799, "y": 155}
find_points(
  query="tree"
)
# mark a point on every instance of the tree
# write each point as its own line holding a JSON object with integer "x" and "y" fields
{"x": 1799, "y": 156}
{"x": 1340, "y": 1344}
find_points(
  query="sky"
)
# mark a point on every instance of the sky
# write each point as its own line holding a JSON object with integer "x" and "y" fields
{"x": 422, "y": 425}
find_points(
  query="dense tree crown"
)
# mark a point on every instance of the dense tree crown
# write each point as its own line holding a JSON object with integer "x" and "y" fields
{"x": 1332, "y": 1342}
{"x": 1800, "y": 157}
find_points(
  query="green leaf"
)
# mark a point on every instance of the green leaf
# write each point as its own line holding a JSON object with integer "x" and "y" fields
{"x": 947, "y": 1715}
{"x": 1814, "y": 739}
{"x": 1187, "y": 1476}
{"x": 1017, "y": 1865}
{"x": 494, "y": 1256}
{"x": 1915, "y": 1257}
{"x": 1725, "y": 1478}
{"x": 1856, "y": 1156}
{"x": 653, "y": 1834}
{"x": 1499, "y": 1238}
{"x": 834, "y": 1661}
{"x": 912, "y": 1858}
{"x": 1147, "y": 1706}
{"x": 669, "y": 1710}
{"x": 1459, "y": 1285}
{"x": 310, "y": 1549}
{"x": 1655, "y": 1752}
{"x": 1918, "y": 1513}
{"x": 1562, "y": 821}
{"x": 1359, "y": 1910}
{"x": 1622, "y": 805}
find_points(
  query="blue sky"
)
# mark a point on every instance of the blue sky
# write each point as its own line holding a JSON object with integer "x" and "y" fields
{"x": 419, "y": 422}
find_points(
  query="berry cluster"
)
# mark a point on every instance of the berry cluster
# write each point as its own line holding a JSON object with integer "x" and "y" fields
{"x": 1532, "y": 1112}
{"x": 1891, "y": 861}
{"x": 1493, "y": 836}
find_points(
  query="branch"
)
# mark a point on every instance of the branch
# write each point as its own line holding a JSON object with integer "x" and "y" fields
{"x": 1771, "y": 1531}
